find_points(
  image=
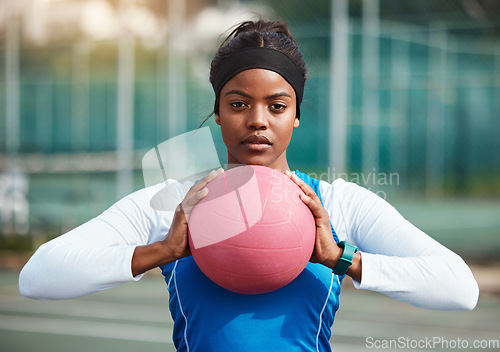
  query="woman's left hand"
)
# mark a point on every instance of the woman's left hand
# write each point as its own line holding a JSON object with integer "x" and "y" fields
{"x": 326, "y": 251}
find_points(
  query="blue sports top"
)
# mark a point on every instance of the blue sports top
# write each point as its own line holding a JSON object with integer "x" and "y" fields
{"x": 296, "y": 317}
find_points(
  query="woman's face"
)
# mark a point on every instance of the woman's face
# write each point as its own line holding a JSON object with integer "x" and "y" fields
{"x": 257, "y": 116}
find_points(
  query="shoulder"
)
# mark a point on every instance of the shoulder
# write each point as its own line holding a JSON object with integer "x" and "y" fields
{"x": 148, "y": 210}
{"x": 350, "y": 205}
{"x": 348, "y": 193}
{"x": 342, "y": 190}
{"x": 163, "y": 196}
{"x": 338, "y": 190}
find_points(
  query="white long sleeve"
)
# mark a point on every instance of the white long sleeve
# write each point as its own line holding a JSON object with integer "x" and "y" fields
{"x": 96, "y": 255}
{"x": 398, "y": 259}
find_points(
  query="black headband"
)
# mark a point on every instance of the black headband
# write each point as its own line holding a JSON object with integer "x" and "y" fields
{"x": 259, "y": 57}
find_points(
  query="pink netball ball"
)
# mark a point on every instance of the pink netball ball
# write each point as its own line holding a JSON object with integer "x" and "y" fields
{"x": 252, "y": 234}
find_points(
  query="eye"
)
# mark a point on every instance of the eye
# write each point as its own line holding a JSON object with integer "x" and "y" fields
{"x": 277, "y": 107}
{"x": 237, "y": 104}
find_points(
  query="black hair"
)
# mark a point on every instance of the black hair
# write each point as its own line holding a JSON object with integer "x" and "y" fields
{"x": 267, "y": 34}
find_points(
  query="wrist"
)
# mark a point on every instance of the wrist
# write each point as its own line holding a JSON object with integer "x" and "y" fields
{"x": 355, "y": 269}
{"x": 334, "y": 258}
{"x": 345, "y": 260}
{"x": 165, "y": 253}
{"x": 149, "y": 256}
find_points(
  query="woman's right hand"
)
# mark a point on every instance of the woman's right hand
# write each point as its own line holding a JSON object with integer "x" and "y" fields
{"x": 176, "y": 239}
{"x": 175, "y": 245}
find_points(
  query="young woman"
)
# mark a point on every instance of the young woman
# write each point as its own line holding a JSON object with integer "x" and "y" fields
{"x": 258, "y": 75}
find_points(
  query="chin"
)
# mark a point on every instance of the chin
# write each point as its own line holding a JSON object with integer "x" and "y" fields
{"x": 261, "y": 159}
{"x": 251, "y": 161}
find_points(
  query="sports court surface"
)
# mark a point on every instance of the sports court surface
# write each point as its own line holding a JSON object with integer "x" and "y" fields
{"x": 134, "y": 317}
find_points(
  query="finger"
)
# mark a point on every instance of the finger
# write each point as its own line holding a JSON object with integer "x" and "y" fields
{"x": 198, "y": 191}
{"x": 205, "y": 180}
{"x": 303, "y": 186}
{"x": 316, "y": 209}
{"x": 198, "y": 186}
{"x": 189, "y": 203}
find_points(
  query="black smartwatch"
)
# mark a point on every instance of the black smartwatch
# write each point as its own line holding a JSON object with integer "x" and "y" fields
{"x": 345, "y": 260}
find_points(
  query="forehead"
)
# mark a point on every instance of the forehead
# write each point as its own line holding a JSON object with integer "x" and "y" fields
{"x": 259, "y": 80}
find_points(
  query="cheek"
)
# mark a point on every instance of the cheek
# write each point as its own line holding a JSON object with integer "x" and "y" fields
{"x": 228, "y": 128}
{"x": 224, "y": 118}
{"x": 287, "y": 131}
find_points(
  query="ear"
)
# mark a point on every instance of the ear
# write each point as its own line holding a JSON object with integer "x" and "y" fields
{"x": 217, "y": 119}
{"x": 296, "y": 123}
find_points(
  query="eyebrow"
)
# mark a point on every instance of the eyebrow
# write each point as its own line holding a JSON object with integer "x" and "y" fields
{"x": 278, "y": 95}
{"x": 238, "y": 92}
{"x": 272, "y": 96}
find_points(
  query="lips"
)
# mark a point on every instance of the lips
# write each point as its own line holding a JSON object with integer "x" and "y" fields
{"x": 257, "y": 143}
{"x": 257, "y": 139}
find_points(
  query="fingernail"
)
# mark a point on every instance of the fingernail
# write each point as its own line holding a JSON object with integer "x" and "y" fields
{"x": 212, "y": 173}
{"x": 220, "y": 170}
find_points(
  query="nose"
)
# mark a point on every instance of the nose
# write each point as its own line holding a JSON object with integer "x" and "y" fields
{"x": 257, "y": 119}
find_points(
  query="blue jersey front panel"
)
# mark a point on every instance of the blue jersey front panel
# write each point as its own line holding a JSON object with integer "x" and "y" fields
{"x": 296, "y": 317}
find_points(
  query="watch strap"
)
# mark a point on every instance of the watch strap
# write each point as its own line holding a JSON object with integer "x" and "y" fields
{"x": 345, "y": 260}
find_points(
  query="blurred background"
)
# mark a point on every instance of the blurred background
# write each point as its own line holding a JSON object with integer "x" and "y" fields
{"x": 402, "y": 97}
